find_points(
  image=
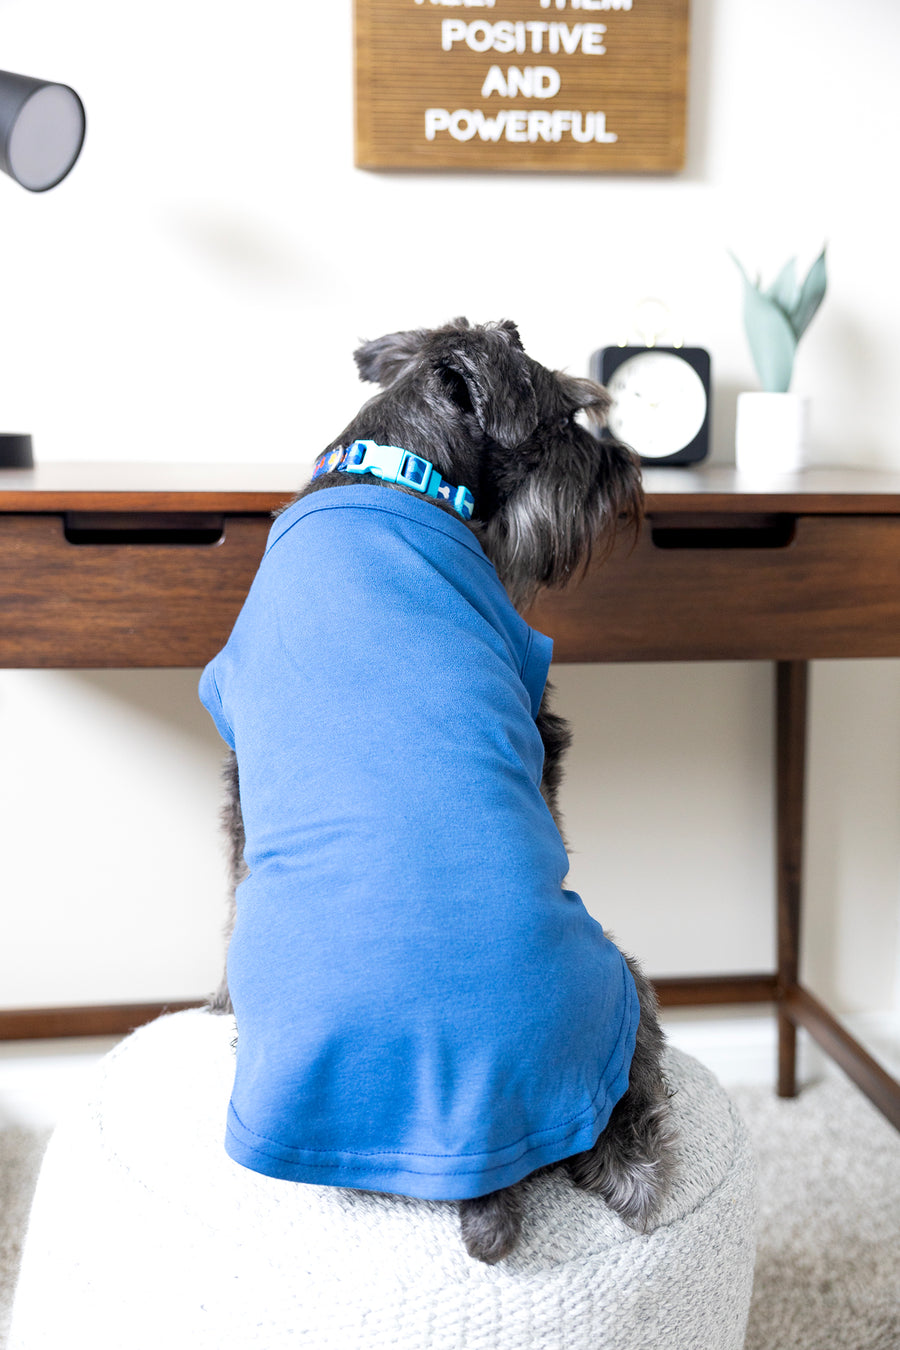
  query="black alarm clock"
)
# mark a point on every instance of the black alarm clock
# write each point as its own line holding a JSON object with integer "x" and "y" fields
{"x": 661, "y": 400}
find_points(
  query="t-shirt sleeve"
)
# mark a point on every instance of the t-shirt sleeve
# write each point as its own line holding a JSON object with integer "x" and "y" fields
{"x": 212, "y": 702}
{"x": 536, "y": 667}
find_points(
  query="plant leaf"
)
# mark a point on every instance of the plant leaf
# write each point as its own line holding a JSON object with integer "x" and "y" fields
{"x": 740, "y": 266}
{"x": 771, "y": 338}
{"x": 784, "y": 288}
{"x": 812, "y": 293}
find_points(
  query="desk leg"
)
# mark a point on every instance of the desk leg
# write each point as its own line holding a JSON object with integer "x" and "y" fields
{"x": 790, "y": 763}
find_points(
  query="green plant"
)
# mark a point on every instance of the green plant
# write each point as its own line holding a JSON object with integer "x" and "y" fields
{"x": 776, "y": 319}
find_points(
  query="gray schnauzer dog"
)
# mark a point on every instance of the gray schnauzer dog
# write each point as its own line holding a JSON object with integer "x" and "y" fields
{"x": 543, "y": 491}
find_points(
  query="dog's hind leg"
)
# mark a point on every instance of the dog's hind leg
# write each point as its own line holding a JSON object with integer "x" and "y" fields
{"x": 491, "y": 1224}
{"x": 632, "y": 1162}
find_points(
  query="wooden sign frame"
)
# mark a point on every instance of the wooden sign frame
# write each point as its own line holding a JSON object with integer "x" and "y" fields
{"x": 553, "y": 85}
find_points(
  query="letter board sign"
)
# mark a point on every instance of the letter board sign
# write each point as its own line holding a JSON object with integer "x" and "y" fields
{"x": 568, "y": 85}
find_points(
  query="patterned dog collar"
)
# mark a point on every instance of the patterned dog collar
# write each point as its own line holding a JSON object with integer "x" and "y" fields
{"x": 394, "y": 465}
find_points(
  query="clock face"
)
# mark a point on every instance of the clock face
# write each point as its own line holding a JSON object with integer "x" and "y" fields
{"x": 659, "y": 403}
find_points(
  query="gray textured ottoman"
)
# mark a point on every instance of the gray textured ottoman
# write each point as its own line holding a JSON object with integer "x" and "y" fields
{"x": 145, "y": 1234}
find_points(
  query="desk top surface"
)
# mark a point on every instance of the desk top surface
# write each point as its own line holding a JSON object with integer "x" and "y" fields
{"x": 261, "y": 488}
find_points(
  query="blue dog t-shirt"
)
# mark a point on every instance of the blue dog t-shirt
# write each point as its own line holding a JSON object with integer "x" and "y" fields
{"x": 422, "y": 1008}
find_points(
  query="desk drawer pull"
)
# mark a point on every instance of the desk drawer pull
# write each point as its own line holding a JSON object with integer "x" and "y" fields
{"x": 737, "y": 532}
{"x": 171, "y": 528}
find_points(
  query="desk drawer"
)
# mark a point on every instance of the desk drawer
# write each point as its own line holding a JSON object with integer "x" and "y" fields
{"x": 776, "y": 587}
{"x": 108, "y": 590}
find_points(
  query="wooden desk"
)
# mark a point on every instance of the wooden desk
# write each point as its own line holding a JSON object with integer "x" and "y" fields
{"x": 130, "y": 565}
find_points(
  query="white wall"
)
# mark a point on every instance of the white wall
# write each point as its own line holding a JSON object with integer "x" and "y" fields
{"x": 194, "y": 291}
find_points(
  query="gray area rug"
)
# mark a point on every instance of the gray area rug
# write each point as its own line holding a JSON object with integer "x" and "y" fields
{"x": 828, "y": 1265}
{"x": 20, "y": 1157}
{"x": 828, "y": 1260}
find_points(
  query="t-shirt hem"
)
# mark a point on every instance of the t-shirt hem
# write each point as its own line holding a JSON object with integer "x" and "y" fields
{"x": 443, "y": 1176}
{"x": 419, "y": 1177}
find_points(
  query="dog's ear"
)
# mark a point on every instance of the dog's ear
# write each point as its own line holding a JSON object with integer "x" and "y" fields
{"x": 586, "y": 397}
{"x": 382, "y": 360}
{"x": 485, "y": 370}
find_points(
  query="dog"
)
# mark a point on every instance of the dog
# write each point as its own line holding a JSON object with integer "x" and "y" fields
{"x": 471, "y": 481}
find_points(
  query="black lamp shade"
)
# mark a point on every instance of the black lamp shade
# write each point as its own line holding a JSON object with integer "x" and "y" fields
{"x": 41, "y": 130}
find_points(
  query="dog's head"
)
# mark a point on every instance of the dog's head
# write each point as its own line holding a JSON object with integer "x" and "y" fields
{"x": 547, "y": 489}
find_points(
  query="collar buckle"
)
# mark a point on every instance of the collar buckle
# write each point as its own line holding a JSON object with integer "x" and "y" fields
{"x": 392, "y": 464}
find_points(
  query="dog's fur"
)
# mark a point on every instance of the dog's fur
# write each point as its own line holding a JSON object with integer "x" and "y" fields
{"x": 548, "y": 492}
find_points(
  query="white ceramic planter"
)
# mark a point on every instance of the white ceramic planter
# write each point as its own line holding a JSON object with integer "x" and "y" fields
{"x": 771, "y": 433}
